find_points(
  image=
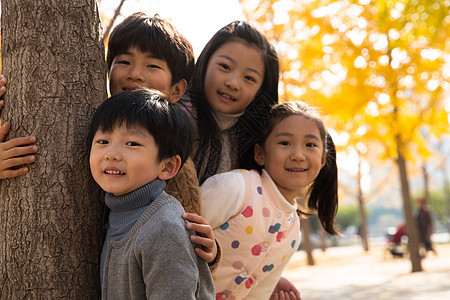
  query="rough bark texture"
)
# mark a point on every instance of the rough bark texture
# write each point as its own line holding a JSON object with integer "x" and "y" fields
{"x": 362, "y": 212}
{"x": 51, "y": 220}
{"x": 306, "y": 237}
{"x": 411, "y": 225}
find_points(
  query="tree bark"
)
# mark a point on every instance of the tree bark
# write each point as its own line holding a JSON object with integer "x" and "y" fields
{"x": 52, "y": 219}
{"x": 411, "y": 227}
{"x": 426, "y": 182}
{"x": 362, "y": 211}
{"x": 306, "y": 238}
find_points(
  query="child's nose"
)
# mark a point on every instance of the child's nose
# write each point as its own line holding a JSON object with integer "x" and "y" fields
{"x": 232, "y": 83}
{"x": 298, "y": 153}
{"x": 136, "y": 73}
{"x": 113, "y": 154}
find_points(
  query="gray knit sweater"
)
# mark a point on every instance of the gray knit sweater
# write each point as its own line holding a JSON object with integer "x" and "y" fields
{"x": 154, "y": 258}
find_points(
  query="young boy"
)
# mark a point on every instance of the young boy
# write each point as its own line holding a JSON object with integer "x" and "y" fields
{"x": 146, "y": 52}
{"x": 138, "y": 142}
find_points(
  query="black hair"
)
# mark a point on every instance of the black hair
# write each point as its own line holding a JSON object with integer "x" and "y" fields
{"x": 170, "y": 126}
{"x": 208, "y": 130}
{"x": 323, "y": 192}
{"x": 155, "y": 35}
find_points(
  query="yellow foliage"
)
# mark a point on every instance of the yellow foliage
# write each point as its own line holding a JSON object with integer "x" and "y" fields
{"x": 376, "y": 70}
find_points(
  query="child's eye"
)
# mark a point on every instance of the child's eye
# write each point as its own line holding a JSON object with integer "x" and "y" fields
{"x": 102, "y": 142}
{"x": 133, "y": 144}
{"x": 284, "y": 143}
{"x": 224, "y": 66}
{"x": 154, "y": 67}
{"x": 311, "y": 145}
{"x": 250, "y": 78}
{"x": 123, "y": 62}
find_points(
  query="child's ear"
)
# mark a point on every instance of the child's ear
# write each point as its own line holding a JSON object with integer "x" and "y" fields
{"x": 177, "y": 90}
{"x": 170, "y": 167}
{"x": 259, "y": 155}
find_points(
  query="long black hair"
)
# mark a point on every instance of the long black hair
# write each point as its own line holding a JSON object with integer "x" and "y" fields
{"x": 248, "y": 126}
{"x": 322, "y": 194}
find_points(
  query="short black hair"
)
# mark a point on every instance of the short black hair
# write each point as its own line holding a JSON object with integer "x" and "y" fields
{"x": 169, "y": 124}
{"x": 155, "y": 35}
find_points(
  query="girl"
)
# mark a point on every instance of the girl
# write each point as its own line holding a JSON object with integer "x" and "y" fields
{"x": 235, "y": 83}
{"x": 253, "y": 213}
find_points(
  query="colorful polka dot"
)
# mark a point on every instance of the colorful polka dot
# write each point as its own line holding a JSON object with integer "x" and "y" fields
{"x": 256, "y": 250}
{"x": 277, "y": 227}
{"x": 248, "y": 212}
{"x": 249, "y": 229}
{"x": 293, "y": 244}
{"x": 266, "y": 212}
{"x": 259, "y": 189}
{"x": 280, "y": 236}
{"x": 274, "y": 228}
{"x": 226, "y": 294}
{"x": 268, "y": 268}
{"x": 239, "y": 279}
{"x": 235, "y": 244}
{"x": 248, "y": 283}
{"x": 224, "y": 226}
{"x": 237, "y": 265}
{"x": 283, "y": 258}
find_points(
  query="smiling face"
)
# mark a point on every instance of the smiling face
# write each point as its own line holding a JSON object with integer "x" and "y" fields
{"x": 293, "y": 154}
{"x": 124, "y": 159}
{"x": 234, "y": 74}
{"x": 134, "y": 69}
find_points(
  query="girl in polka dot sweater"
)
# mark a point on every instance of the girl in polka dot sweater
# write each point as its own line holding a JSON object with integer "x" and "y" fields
{"x": 254, "y": 213}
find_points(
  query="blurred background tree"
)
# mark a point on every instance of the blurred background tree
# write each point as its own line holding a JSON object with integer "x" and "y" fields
{"x": 376, "y": 68}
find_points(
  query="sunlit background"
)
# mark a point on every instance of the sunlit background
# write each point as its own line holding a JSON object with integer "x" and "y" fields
{"x": 380, "y": 72}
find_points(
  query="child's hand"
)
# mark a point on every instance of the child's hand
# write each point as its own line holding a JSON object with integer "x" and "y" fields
{"x": 285, "y": 290}
{"x": 2, "y": 85}
{"x": 205, "y": 236}
{"x": 15, "y": 152}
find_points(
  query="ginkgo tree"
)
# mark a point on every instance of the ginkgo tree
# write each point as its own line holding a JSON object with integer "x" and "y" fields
{"x": 377, "y": 68}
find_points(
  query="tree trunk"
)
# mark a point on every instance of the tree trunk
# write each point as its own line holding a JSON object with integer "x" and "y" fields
{"x": 446, "y": 198}
{"x": 446, "y": 188}
{"x": 52, "y": 218}
{"x": 362, "y": 211}
{"x": 323, "y": 240}
{"x": 306, "y": 230}
{"x": 411, "y": 227}
{"x": 426, "y": 182}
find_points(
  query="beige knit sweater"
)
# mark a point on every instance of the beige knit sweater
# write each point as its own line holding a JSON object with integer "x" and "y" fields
{"x": 185, "y": 188}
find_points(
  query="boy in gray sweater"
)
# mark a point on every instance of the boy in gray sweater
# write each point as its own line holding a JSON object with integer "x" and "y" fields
{"x": 138, "y": 141}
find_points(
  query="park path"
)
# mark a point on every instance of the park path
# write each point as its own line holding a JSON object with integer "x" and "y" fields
{"x": 349, "y": 273}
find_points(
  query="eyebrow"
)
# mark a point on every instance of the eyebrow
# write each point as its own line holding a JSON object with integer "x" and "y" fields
{"x": 309, "y": 135}
{"x": 231, "y": 59}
